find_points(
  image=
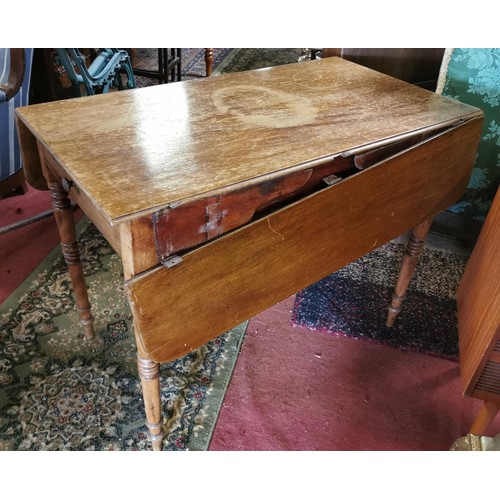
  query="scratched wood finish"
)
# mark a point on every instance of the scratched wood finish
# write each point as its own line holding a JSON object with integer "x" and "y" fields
{"x": 478, "y": 305}
{"x": 195, "y": 223}
{"x": 192, "y": 224}
{"x": 137, "y": 151}
{"x": 230, "y": 279}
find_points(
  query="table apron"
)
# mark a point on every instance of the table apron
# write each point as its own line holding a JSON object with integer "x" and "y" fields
{"x": 111, "y": 233}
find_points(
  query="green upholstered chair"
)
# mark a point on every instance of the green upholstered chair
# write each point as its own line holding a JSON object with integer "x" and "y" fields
{"x": 472, "y": 76}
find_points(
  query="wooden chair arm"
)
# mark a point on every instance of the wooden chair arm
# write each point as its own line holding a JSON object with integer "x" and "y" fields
{"x": 16, "y": 74}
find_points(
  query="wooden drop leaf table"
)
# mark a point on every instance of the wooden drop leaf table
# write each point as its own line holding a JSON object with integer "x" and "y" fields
{"x": 226, "y": 195}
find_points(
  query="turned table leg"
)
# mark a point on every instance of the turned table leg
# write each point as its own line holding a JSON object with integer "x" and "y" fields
{"x": 413, "y": 250}
{"x": 485, "y": 417}
{"x": 209, "y": 60}
{"x": 67, "y": 232}
{"x": 149, "y": 373}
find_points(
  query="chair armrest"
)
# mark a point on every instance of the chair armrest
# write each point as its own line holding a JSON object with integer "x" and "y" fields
{"x": 16, "y": 74}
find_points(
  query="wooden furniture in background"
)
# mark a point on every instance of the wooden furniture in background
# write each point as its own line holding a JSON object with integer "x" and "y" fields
{"x": 169, "y": 66}
{"x": 220, "y": 208}
{"x": 478, "y": 305}
{"x": 15, "y": 76}
{"x": 209, "y": 60}
{"x": 419, "y": 66}
{"x": 15, "y": 70}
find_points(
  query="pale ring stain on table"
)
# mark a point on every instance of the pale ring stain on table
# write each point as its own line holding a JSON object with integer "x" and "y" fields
{"x": 264, "y": 107}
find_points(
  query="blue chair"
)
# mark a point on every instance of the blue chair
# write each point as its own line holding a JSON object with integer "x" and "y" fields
{"x": 104, "y": 72}
{"x": 15, "y": 74}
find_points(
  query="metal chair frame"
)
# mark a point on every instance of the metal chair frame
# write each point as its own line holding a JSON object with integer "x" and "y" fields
{"x": 103, "y": 73}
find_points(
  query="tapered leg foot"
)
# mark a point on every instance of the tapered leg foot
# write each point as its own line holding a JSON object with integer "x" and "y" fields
{"x": 149, "y": 372}
{"x": 484, "y": 418}
{"x": 413, "y": 251}
{"x": 64, "y": 218}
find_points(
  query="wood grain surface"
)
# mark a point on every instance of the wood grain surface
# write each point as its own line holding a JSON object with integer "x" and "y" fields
{"x": 478, "y": 305}
{"x": 136, "y": 151}
{"x": 225, "y": 282}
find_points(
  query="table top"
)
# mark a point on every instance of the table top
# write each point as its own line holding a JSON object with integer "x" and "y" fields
{"x": 136, "y": 151}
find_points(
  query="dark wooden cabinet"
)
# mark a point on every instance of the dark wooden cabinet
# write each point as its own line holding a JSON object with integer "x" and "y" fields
{"x": 416, "y": 65}
{"x": 478, "y": 300}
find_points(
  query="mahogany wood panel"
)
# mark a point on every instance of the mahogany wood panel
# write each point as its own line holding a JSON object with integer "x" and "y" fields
{"x": 194, "y": 223}
{"x": 478, "y": 305}
{"x": 238, "y": 275}
{"x": 141, "y": 150}
{"x": 372, "y": 156}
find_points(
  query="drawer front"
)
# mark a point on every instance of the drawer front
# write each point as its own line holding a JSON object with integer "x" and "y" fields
{"x": 229, "y": 280}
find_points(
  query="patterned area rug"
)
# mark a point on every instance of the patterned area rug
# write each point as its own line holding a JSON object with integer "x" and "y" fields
{"x": 225, "y": 61}
{"x": 247, "y": 59}
{"x": 353, "y": 302}
{"x": 60, "y": 392}
{"x": 192, "y": 63}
